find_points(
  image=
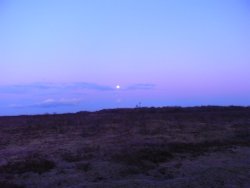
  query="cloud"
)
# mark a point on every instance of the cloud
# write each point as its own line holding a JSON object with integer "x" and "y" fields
{"x": 91, "y": 86}
{"x": 66, "y": 87}
{"x": 57, "y": 103}
{"x": 141, "y": 87}
{"x": 50, "y": 103}
{"x": 55, "y": 87}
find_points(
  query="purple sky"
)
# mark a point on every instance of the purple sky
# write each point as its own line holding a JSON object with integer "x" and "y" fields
{"x": 66, "y": 56}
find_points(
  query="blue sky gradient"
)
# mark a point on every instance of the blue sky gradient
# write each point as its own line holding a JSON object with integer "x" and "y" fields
{"x": 65, "y": 56}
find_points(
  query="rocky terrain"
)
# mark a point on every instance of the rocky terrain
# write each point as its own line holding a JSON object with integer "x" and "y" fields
{"x": 141, "y": 147}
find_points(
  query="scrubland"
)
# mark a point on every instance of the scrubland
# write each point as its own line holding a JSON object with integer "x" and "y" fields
{"x": 141, "y": 147}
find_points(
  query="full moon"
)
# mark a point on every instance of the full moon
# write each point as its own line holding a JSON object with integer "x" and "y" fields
{"x": 118, "y": 86}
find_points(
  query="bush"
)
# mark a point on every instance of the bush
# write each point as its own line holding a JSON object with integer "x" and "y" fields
{"x": 143, "y": 156}
{"x": 78, "y": 155}
{"x": 83, "y": 166}
{"x": 30, "y": 164}
{"x": 5, "y": 184}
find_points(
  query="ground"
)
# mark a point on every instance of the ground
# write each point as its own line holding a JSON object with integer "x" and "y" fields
{"x": 141, "y": 147}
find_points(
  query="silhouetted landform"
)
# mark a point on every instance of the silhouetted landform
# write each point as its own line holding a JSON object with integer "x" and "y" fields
{"x": 142, "y": 147}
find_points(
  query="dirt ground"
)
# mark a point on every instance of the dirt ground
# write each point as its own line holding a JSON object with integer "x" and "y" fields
{"x": 141, "y": 147}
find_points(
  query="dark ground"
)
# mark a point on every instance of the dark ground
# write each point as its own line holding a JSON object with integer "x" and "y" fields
{"x": 142, "y": 147}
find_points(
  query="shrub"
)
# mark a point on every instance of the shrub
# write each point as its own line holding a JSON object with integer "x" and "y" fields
{"x": 30, "y": 164}
{"x": 83, "y": 166}
{"x": 77, "y": 155}
{"x": 5, "y": 184}
{"x": 143, "y": 157}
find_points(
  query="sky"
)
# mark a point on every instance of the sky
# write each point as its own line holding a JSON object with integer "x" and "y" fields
{"x": 60, "y": 56}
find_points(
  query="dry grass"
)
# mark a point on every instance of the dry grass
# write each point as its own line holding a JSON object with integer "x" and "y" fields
{"x": 154, "y": 147}
{"x": 33, "y": 163}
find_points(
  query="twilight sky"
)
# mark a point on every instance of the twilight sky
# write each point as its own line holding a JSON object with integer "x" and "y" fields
{"x": 69, "y": 55}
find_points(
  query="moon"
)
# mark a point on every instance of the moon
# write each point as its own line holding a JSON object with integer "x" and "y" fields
{"x": 118, "y": 86}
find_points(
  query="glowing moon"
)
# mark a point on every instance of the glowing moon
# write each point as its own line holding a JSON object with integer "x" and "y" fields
{"x": 118, "y": 86}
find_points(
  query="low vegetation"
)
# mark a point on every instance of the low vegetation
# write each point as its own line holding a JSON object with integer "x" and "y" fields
{"x": 32, "y": 163}
{"x": 142, "y": 147}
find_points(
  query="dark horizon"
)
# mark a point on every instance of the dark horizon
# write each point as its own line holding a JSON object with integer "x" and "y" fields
{"x": 136, "y": 108}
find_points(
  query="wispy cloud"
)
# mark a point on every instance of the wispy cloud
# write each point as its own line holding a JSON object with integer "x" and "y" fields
{"x": 56, "y": 103}
{"x": 56, "y": 95}
{"x": 141, "y": 87}
{"x": 90, "y": 86}
{"x": 26, "y": 88}
{"x": 67, "y": 87}
{"x": 50, "y": 103}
